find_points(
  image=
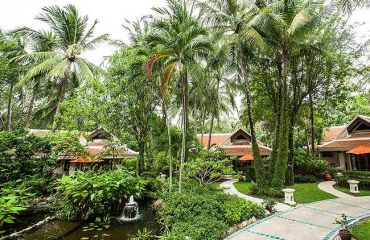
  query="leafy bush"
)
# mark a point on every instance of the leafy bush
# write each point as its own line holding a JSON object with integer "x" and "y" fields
{"x": 265, "y": 191}
{"x": 307, "y": 165}
{"x": 208, "y": 166}
{"x": 304, "y": 179}
{"x": 88, "y": 194}
{"x": 250, "y": 173}
{"x": 10, "y": 206}
{"x": 357, "y": 174}
{"x": 203, "y": 213}
{"x": 363, "y": 182}
{"x": 22, "y": 155}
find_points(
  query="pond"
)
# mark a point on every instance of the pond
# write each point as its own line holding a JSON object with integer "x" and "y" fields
{"x": 69, "y": 230}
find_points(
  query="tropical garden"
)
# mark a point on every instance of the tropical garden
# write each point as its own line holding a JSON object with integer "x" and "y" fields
{"x": 282, "y": 70}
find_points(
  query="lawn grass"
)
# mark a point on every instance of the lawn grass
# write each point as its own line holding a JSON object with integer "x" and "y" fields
{"x": 309, "y": 192}
{"x": 362, "y": 231}
{"x": 360, "y": 194}
{"x": 304, "y": 192}
{"x": 243, "y": 187}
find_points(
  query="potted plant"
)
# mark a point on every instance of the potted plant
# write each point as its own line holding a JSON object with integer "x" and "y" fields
{"x": 269, "y": 205}
{"x": 344, "y": 232}
{"x": 327, "y": 176}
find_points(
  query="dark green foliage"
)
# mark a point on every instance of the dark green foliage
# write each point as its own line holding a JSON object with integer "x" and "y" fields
{"x": 88, "y": 194}
{"x": 22, "y": 155}
{"x": 364, "y": 183}
{"x": 308, "y": 165}
{"x": 265, "y": 191}
{"x": 250, "y": 173}
{"x": 203, "y": 213}
{"x": 304, "y": 178}
{"x": 208, "y": 166}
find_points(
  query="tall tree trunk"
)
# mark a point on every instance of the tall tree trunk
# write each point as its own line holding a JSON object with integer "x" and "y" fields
{"x": 185, "y": 120}
{"x": 290, "y": 171}
{"x": 60, "y": 99}
{"x": 203, "y": 123}
{"x": 31, "y": 105}
{"x": 259, "y": 168}
{"x": 10, "y": 108}
{"x": 141, "y": 155}
{"x": 312, "y": 125}
{"x": 214, "y": 110}
{"x": 195, "y": 113}
{"x": 168, "y": 125}
{"x": 210, "y": 131}
{"x": 282, "y": 154}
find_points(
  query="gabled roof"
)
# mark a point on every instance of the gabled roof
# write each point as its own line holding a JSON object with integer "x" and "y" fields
{"x": 332, "y": 133}
{"x": 216, "y": 139}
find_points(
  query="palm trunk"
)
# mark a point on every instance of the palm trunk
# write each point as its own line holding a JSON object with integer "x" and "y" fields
{"x": 312, "y": 125}
{"x": 195, "y": 113}
{"x": 10, "y": 108}
{"x": 185, "y": 103}
{"x": 60, "y": 99}
{"x": 210, "y": 131}
{"x": 30, "y": 107}
{"x": 203, "y": 123}
{"x": 213, "y": 114}
{"x": 169, "y": 143}
{"x": 260, "y": 171}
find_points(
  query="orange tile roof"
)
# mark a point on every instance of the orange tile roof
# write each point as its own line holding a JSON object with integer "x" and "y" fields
{"x": 241, "y": 150}
{"x": 344, "y": 145}
{"x": 246, "y": 157}
{"x": 216, "y": 139}
{"x": 332, "y": 133}
{"x": 360, "y": 150}
{"x": 84, "y": 160}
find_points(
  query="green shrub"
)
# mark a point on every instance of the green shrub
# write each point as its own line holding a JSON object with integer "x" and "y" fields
{"x": 265, "y": 191}
{"x": 23, "y": 155}
{"x": 304, "y": 179}
{"x": 364, "y": 183}
{"x": 357, "y": 174}
{"x": 208, "y": 166}
{"x": 203, "y": 213}
{"x": 307, "y": 165}
{"x": 88, "y": 194}
{"x": 250, "y": 173}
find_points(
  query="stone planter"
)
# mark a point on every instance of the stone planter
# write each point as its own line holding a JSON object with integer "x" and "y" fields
{"x": 353, "y": 186}
{"x": 288, "y": 196}
{"x": 226, "y": 177}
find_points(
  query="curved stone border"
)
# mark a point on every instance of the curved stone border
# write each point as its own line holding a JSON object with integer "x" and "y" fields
{"x": 334, "y": 233}
{"x": 327, "y": 186}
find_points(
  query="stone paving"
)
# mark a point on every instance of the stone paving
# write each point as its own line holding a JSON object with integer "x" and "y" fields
{"x": 314, "y": 221}
{"x": 229, "y": 188}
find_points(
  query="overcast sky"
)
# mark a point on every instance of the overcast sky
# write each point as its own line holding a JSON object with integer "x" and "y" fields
{"x": 111, "y": 15}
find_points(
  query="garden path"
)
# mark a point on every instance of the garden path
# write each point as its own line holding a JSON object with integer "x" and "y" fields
{"x": 314, "y": 221}
{"x": 229, "y": 188}
{"x": 327, "y": 186}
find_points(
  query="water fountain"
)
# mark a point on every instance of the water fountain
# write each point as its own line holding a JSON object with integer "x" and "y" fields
{"x": 130, "y": 211}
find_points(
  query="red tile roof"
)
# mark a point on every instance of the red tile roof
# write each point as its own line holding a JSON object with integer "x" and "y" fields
{"x": 360, "y": 150}
{"x": 241, "y": 150}
{"x": 344, "y": 144}
{"x": 247, "y": 157}
{"x": 216, "y": 139}
{"x": 332, "y": 133}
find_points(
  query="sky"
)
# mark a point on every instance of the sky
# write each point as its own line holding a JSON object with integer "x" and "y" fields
{"x": 111, "y": 14}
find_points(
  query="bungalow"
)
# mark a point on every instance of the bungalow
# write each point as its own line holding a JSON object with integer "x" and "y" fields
{"x": 236, "y": 145}
{"x": 96, "y": 143}
{"x": 348, "y": 147}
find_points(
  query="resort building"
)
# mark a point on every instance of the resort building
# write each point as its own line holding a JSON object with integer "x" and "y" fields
{"x": 348, "y": 147}
{"x": 103, "y": 150}
{"x": 236, "y": 145}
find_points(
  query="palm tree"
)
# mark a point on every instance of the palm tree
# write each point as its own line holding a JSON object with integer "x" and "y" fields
{"x": 64, "y": 63}
{"x": 12, "y": 45}
{"x": 43, "y": 41}
{"x": 236, "y": 20}
{"x": 182, "y": 41}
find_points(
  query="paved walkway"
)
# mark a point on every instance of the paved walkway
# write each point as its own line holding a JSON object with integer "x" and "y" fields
{"x": 328, "y": 187}
{"x": 229, "y": 188}
{"x": 314, "y": 221}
